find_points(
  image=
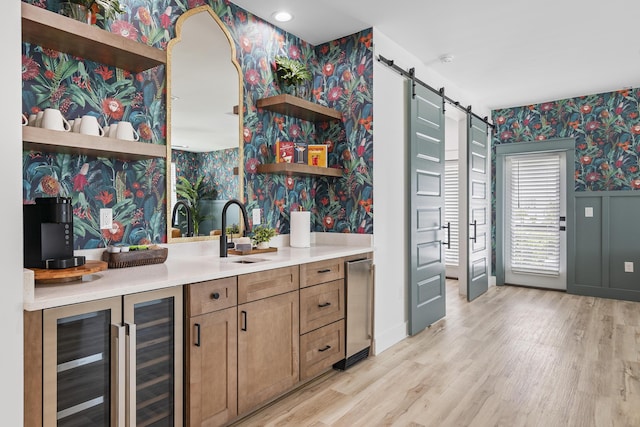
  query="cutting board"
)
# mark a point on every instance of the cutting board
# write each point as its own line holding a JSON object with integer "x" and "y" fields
{"x": 63, "y": 275}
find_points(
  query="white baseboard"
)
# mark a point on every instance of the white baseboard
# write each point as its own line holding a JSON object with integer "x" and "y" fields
{"x": 389, "y": 337}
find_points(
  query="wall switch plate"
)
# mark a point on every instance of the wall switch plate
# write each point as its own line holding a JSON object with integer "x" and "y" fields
{"x": 106, "y": 219}
{"x": 256, "y": 216}
{"x": 628, "y": 267}
{"x": 588, "y": 212}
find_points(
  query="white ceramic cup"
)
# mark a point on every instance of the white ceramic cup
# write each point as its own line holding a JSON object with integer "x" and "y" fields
{"x": 53, "y": 119}
{"x": 32, "y": 119}
{"x": 25, "y": 120}
{"x": 76, "y": 125}
{"x": 38, "y": 121}
{"x": 111, "y": 130}
{"x": 126, "y": 131}
{"x": 89, "y": 126}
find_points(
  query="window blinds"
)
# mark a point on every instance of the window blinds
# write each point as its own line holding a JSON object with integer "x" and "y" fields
{"x": 534, "y": 191}
{"x": 451, "y": 209}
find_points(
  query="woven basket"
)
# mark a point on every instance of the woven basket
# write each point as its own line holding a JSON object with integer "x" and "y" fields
{"x": 153, "y": 255}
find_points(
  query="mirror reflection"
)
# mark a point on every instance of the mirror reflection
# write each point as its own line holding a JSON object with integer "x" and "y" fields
{"x": 204, "y": 131}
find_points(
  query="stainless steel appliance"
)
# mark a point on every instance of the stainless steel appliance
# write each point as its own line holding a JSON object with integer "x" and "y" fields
{"x": 48, "y": 234}
{"x": 359, "y": 316}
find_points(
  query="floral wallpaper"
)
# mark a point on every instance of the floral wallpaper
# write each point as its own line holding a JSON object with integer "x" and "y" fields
{"x": 136, "y": 189}
{"x": 216, "y": 167}
{"x": 606, "y": 128}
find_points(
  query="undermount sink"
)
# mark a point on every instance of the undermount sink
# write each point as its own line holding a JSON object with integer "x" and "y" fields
{"x": 245, "y": 260}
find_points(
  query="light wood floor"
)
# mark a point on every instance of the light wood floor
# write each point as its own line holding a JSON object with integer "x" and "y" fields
{"x": 514, "y": 357}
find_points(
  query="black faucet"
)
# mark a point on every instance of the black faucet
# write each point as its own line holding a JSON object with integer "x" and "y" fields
{"x": 174, "y": 216}
{"x": 223, "y": 235}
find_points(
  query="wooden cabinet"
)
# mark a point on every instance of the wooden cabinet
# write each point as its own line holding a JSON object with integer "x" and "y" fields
{"x": 109, "y": 362}
{"x": 268, "y": 336}
{"x": 322, "y": 313}
{"x": 211, "y": 352}
{"x": 54, "y": 31}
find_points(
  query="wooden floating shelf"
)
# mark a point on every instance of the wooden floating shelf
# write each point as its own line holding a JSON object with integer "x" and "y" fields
{"x": 300, "y": 108}
{"x": 54, "y": 31}
{"x": 76, "y": 143}
{"x": 299, "y": 169}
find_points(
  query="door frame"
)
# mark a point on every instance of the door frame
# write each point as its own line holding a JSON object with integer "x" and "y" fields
{"x": 567, "y": 145}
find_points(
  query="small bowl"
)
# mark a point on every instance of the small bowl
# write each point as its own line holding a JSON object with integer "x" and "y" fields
{"x": 113, "y": 249}
{"x": 124, "y": 248}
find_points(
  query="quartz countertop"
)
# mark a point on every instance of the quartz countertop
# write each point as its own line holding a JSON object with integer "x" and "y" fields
{"x": 186, "y": 263}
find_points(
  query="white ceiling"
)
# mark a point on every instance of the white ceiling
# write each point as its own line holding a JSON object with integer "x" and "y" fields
{"x": 506, "y": 52}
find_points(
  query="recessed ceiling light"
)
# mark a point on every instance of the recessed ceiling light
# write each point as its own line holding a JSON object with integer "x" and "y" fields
{"x": 445, "y": 59}
{"x": 282, "y": 16}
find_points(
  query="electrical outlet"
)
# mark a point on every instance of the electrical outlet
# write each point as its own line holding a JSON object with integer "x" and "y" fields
{"x": 588, "y": 212}
{"x": 256, "y": 216}
{"x": 628, "y": 267}
{"x": 106, "y": 219}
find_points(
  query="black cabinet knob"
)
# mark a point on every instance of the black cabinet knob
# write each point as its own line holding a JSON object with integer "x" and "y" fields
{"x": 215, "y": 295}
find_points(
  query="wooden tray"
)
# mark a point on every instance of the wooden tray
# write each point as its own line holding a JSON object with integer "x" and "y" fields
{"x": 153, "y": 255}
{"x": 62, "y": 275}
{"x": 251, "y": 252}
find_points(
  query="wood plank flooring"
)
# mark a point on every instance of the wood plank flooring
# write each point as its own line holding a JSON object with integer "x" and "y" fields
{"x": 514, "y": 357}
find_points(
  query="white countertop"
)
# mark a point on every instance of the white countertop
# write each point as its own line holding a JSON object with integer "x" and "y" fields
{"x": 186, "y": 263}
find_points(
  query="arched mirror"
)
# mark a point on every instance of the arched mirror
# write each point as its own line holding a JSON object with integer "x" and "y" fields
{"x": 204, "y": 90}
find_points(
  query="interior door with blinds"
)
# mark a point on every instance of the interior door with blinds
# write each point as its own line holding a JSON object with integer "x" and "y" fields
{"x": 535, "y": 220}
{"x": 427, "y": 279}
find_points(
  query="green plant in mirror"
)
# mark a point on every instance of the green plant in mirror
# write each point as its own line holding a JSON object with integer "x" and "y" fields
{"x": 263, "y": 233}
{"x": 193, "y": 194}
{"x": 292, "y": 72}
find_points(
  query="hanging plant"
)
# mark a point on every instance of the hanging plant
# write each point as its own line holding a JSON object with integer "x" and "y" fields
{"x": 108, "y": 9}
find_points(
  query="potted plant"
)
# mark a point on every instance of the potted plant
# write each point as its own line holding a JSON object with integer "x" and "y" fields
{"x": 291, "y": 73}
{"x": 262, "y": 234}
{"x": 193, "y": 194}
{"x": 87, "y": 10}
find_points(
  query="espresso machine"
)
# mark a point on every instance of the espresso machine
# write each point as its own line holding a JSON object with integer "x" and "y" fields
{"x": 48, "y": 234}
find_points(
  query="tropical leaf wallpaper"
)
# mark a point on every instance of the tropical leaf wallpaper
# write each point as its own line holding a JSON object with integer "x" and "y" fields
{"x": 343, "y": 73}
{"x": 215, "y": 168}
{"x": 606, "y": 128}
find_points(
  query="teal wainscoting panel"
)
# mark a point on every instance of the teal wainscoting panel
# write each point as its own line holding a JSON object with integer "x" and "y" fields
{"x": 588, "y": 267}
{"x": 624, "y": 243}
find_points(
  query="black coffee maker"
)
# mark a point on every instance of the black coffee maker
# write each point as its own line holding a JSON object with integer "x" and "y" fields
{"x": 48, "y": 234}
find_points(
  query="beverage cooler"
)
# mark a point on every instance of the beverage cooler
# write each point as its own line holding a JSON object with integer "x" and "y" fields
{"x": 114, "y": 362}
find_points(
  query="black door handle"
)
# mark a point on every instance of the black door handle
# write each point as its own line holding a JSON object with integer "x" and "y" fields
{"x": 448, "y": 242}
{"x": 326, "y": 304}
{"x": 475, "y": 231}
{"x": 327, "y": 347}
{"x": 197, "y": 326}
{"x": 244, "y": 320}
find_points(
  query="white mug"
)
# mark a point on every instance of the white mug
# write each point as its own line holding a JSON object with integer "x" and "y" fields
{"x": 38, "y": 121}
{"x": 111, "y": 130}
{"x": 53, "y": 119}
{"x": 25, "y": 120}
{"x": 89, "y": 126}
{"x": 126, "y": 131}
{"x": 76, "y": 125}
{"x": 32, "y": 119}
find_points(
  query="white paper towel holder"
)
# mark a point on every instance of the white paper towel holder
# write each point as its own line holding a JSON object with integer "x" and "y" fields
{"x": 300, "y": 229}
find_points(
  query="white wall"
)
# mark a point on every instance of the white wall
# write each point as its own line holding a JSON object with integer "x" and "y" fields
{"x": 389, "y": 184}
{"x": 11, "y": 389}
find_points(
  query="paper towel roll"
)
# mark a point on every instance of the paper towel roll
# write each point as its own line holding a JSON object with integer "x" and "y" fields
{"x": 300, "y": 236}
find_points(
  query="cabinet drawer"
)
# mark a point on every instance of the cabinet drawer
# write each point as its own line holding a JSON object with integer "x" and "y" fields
{"x": 212, "y": 295}
{"x": 320, "y": 349}
{"x": 321, "y": 305}
{"x": 264, "y": 284}
{"x": 321, "y": 271}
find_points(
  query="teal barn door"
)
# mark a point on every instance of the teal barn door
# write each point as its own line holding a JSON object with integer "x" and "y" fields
{"x": 478, "y": 199}
{"x": 426, "y": 209}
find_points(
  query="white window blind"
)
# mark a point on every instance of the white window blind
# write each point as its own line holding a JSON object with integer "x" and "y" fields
{"x": 451, "y": 209}
{"x": 534, "y": 188}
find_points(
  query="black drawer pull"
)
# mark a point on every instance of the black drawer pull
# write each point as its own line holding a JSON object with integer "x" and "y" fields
{"x": 326, "y": 270}
{"x": 244, "y": 320}
{"x": 326, "y": 347}
{"x": 215, "y": 295}
{"x": 197, "y": 326}
{"x": 326, "y": 304}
